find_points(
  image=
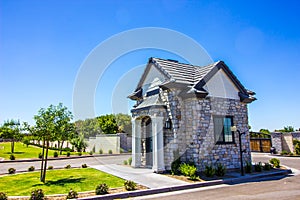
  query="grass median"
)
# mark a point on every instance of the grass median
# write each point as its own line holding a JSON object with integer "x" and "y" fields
{"x": 57, "y": 181}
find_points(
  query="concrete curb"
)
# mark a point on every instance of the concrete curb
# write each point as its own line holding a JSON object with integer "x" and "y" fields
{"x": 187, "y": 186}
{"x": 63, "y": 158}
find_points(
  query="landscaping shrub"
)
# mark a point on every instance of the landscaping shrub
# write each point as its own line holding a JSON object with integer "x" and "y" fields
{"x": 284, "y": 152}
{"x": 188, "y": 170}
{"x": 31, "y": 169}
{"x": 55, "y": 154}
{"x": 267, "y": 166}
{"x": 12, "y": 157}
{"x": 68, "y": 154}
{"x": 130, "y": 185}
{"x": 296, "y": 144}
{"x": 129, "y": 161}
{"x": 67, "y": 166}
{"x": 209, "y": 171}
{"x": 3, "y": 196}
{"x": 275, "y": 162}
{"x": 79, "y": 153}
{"x": 72, "y": 194}
{"x": 37, "y": 194}
{"x": 26, "y": 141}
{"x": 248, "y": 167}
{"x": 40, "y": 155}
{"x": 100, "y": 151}
{"x": 67, "y": 149}
{"x": 258, "y": 167}
{"x": 11, "y": 170}
{"x": 110, "y": 151}
{"x": 101, "y": 189}
{"x": 125, "y": 162}
{"x": 220, "y": 170}
{"x": 94, "y": 149}
{"x": 84, "y": 166}
{"x": 91, "y": 152}
{"x": 50, "y": 167}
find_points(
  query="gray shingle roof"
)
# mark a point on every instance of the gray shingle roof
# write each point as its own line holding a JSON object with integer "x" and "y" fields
{"x": 181, "y": 72}
{"x": 190, "y": 78}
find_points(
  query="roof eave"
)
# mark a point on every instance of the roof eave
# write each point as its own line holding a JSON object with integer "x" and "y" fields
{"x": 244, "y": 98}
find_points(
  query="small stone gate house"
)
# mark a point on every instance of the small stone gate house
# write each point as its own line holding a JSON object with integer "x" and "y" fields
{"x": 187, "y": 111}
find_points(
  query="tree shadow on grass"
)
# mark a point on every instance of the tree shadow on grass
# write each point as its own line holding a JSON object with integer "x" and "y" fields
{"x": 16, "y": 152}
{"x": 62, "y": 182}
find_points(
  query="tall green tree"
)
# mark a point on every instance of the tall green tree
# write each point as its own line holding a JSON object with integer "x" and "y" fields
{"x": 49, "y": 124}
{"x": 108, "y": 124}
{"x": 11, "y": 129}
{"x": 266, "y": 131}
{"x": 286, "y": 129}
{"x": 78, "y": 142}
{"x": 88, "y": 127}
{"x": 124, "y": 123}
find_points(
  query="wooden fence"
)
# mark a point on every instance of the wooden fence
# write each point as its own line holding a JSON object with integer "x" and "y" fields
{"x": 260, "y": 144}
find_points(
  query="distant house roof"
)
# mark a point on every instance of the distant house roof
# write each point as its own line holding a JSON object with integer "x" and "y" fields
{"x": 191, "y": 77}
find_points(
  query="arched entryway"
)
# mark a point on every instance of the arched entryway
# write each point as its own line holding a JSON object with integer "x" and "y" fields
{"x": 147, "y": 142}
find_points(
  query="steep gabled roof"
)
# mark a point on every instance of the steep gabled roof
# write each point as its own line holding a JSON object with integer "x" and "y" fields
{"x": 191, "y": 77}
{"x": 181, "y": 72}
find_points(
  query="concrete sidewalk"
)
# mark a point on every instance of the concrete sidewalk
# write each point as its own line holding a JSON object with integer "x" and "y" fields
{"x": 160, "y": 183}
{"x": 141, "y": 176}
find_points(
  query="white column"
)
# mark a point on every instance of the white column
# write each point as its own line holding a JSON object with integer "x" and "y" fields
{"x": 158, "y": 144}
{"x": 136, "y": 143}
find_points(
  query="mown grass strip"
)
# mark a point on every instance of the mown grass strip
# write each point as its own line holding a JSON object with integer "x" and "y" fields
{"x": 57, "y": 181}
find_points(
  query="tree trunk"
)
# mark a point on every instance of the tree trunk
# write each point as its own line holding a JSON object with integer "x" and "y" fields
{"x": 61, "y": 147}
{"x": 12, "y": 145}
{"x": 46, "y": 159}
{"x": 42, "y": 164}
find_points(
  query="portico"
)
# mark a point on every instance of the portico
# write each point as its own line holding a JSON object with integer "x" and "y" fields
{"x": 147, "y": 143}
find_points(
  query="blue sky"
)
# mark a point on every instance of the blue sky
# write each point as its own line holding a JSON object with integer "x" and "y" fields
{"x": 44, "y": 43}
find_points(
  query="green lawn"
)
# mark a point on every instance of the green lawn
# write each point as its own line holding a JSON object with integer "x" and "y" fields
{"x": 57, "y": 181}
{"x": 21, "y": 151}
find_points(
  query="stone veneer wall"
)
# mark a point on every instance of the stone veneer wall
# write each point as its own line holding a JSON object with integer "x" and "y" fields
{"x": 287, "y": 142}
{"x": 125, "y": 141}
{"x": 276, "y": 141}
{"x": 105, "y": 142}
{"x": 193, "y": 131}
{"x": 284, "y": 141}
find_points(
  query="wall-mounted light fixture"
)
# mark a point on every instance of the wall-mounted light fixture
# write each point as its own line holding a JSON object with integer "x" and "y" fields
{"x": 168, "y": 123}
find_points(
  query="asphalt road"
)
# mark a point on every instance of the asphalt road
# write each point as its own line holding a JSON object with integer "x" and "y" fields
{"x": 283, "y": 188}
{"x": 99, "y": 160}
